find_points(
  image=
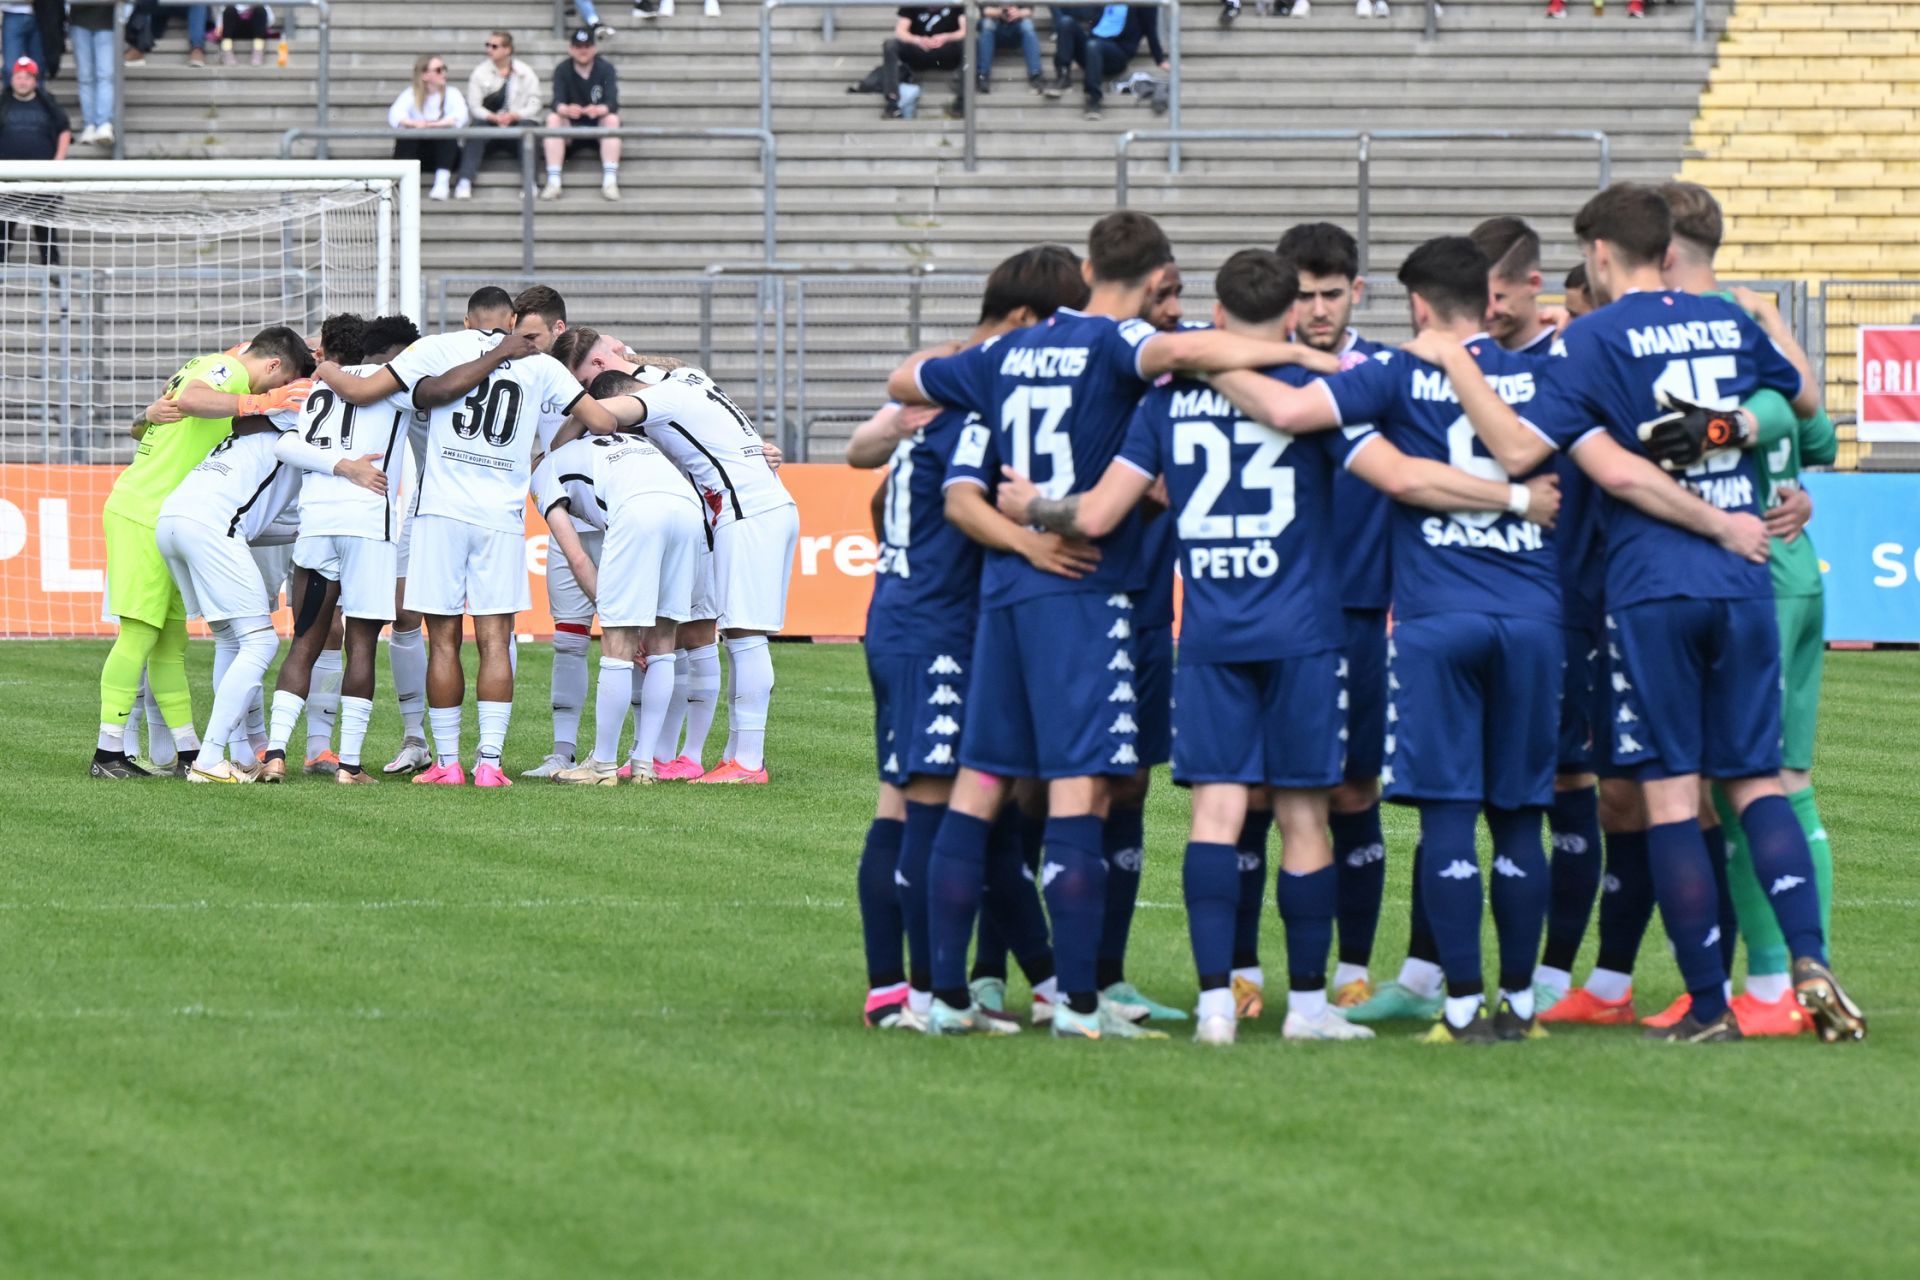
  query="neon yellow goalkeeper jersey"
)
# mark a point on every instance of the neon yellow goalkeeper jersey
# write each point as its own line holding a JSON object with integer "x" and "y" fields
{"x": 170, "y": 450}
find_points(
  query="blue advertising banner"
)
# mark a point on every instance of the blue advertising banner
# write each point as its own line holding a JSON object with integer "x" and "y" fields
{"x": 1867, "y": 531}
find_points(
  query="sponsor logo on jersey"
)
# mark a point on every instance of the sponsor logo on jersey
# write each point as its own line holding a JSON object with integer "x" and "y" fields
{"x": 1459, "y": 869}
{"x": 1684, "y": 336}
{"x": 1044, "y": 362}
{"x": 1514, "y": 388}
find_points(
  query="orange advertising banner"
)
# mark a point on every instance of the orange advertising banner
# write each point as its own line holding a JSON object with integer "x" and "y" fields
{"x": 53, "y": 553}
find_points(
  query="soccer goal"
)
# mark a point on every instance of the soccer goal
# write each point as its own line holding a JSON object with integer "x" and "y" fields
{"x": 113, "y": 274}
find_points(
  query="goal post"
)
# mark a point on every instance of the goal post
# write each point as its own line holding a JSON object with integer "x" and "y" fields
{"x": 114, "y": 274}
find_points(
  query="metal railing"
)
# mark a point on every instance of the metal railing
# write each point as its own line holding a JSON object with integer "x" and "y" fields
{"x": 323, "y": 68}
{"x": 526, "y": 136}
{"x": 970, "y": 154}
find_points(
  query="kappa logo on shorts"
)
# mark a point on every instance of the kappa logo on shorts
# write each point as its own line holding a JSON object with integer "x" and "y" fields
{"x": 1393, "y": 714}
{"x": 1392, "y": 743}
{"x": 942, "y": 753}
{"x": 1609, "y": 884}
{"x": 1367, "y": 853}
{"x": 1620, "y": 684}
{"x": 1123, "y": 723}
{"x": 1341, "y": 671}
{"x": 1613, "y": 651}
{"x": 1341, "y": 701}
{"x": 1124, "y": 754}
{"x": 944, "y": 696}
{"x": 1250, "y": 862}
{"x": 1393, "y": 683}
{"x": 1628, "y": 745}
{"x": 1120, "y": 630}
{"x": 1048, "y": 870}
{"x": 1386, "y": 774}
{"x": 892, "y": 765}
{"x": 1459, "y": 869}
{"x": 1127, "y": 859}
{"x": 1393, "y": 650}
{"x": 1343, "y": 733}
{"x": 1120, "y": 661}
{"x": 1508, "y": 867}
{"x": 1122, "y": 692}
{"x": 944, "y": 665}
{"x": 901, "y": 880}
{"x": 1626, "y": 715}
{"x": 1785, "y": 883}
{"x": 944, "y": 726}
{"x": 1119, "y": 600}
{"x": 1713, "y": 937}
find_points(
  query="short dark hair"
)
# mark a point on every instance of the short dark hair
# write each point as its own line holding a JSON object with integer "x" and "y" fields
{"x": 278, "y": 341}
{"x": 1126, "y": 247}
{"x": 489, "y": 298}
{"x": 1696, "y": 214}
{"x": 540, "y": 300}
{"x": 612, "y": 382}
{"x": 1577, "y": 278}
{"x": 571, "y": 347}
{"x": 1043, "y": 279}
{"x": 1321, "y": 249}
{"x": 1450, "y": 273}
{"x": 344, "y": 338}
{"x": 1630, "y": 216}
{"x": 1256, "y": 285}
{"x": 1510, "y": 245}
{"x": 384, "y": 333}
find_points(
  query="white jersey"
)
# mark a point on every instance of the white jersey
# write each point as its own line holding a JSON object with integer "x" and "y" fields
{"x": 599, "y": 475}
{"x": 479, "y": 452}
{"x": 335, "y": 505}
{"x": 239, "y": 488}
{"x": 709, "y": 439}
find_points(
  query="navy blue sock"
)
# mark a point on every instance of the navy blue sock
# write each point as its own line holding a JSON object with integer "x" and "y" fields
{"x": 880, "y": 924}
{"x": 1784, "y": 867}
{"x": 989, "y": 948}
{"x": 1683, "y": 882}
{"x": 1574, "y": 877}
{"x": 1123, "y": 837}
{"x": 1716, "y": 841}
{"x": 1360, "y": 869}
{"x": 956, "y": 877}
{"x": 1012, "y": 905}
{"x": 1211, "y": 877}
{"x": 1073, "y": 876}
{"x": 1252, "y": 850}
{"x": 1307, "y": 906}
{"x": 1450, "y": 887}
{"x": 1420, "y": 943}
{"x": 1626, "y": 901}
{"x": 1518, "y": 892}
{"x": 910, "y": 878}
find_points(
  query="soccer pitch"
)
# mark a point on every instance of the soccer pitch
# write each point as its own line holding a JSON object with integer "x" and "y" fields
{"x": 306, "y": 1031}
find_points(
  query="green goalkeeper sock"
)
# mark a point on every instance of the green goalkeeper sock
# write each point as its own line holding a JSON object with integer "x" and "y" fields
{"x": 167, "y": 676}
{"x": 1766, "y": 946}
{"x": 120, "y": 676}
{"x": 1807, "y": 810}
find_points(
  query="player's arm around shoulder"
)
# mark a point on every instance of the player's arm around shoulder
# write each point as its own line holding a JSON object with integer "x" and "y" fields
{"x": 873, "y": 442}
{"x": 1093, "y": 514}
{"x": 1216, "y": 351}
{"x": 1424, "y": 482}
{"x": 1634, "y": 480}
{"x": 1276, "y": 404}
{"x": 904, "y": 383}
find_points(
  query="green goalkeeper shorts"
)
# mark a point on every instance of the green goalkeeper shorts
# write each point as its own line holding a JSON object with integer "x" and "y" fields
{"x": 1802, "y": 653}
{"x": 138, "y": 584}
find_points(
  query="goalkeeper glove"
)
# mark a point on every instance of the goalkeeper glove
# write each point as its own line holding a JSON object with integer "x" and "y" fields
{"x": 1679, "y": 439}
{"x": 291, "y": 396}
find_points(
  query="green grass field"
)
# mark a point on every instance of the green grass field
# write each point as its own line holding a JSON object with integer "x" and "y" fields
{"x": 302, "y": 1032}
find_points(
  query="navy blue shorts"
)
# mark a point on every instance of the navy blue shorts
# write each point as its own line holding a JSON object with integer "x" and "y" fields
{"x": 1475, "y": 712}
{"x": 919, "y": 704}
{"x": 1696, "y": 688}
{"x": 1366, "y": 653}
{"x": 1053, "y": 692}
{"x": 1275, "y": 723}
{"x": 1583, "y": 701}
{"x": 1153, "y": 683}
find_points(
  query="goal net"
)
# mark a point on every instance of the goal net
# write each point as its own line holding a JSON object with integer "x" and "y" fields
{"x": 115, "y": 274}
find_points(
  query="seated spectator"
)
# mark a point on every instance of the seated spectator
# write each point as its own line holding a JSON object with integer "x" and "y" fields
{"x": 1002, "y": 28}
{"x": 650, "y": 9}
{"x": 501, "y": 91}
{"x": 1070, "y": 24}
{"x": 589, "y": 15}
{"x": 243, "y": 22}
{"x": 32, "y": 127}
{"x": 148, "y": 23}
{"x": 429, "y": 105}
{"x": 926, "y": 38}
{"x": 93, "y": 59}
{"x": 586, "y": 95}
{"x": 1111, "y": 43}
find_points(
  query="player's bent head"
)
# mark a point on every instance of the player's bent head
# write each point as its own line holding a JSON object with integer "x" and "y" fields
{"x": 1125, "y": 248}
{"x": 489, "y": 307}
{"x": 1449, "y": 275}
{"x": 1510, "y": 245}
{"x": 343, "y": 338}
{"x": 540, "y": 313}
{"x": 1037, "y": 281}
{"x": 614, "y": 383}
{"x": 1630, "y": 217}
{"x": 1321, "y": 249}
{"x": 1698, "y": 226}
{"x": 276, "y": 356}
{"x": 1256, "y": 286}
{"x": 1579, "y": 297}
{"x": 387, "y": 335}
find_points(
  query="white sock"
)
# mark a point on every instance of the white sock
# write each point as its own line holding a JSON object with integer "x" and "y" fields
{"x": 226, "y": 643}
{"x": 610, "y": 706}
{"x": 1609, "y": 984}
{"x": 752, "y": 661}
{"x": 513, "y": 656}
{"x": 257, "y": 721}
{"x": 160, "y": 739}
{"x": 1422, "y": 977}
{"x": 668, "y": 746}
{"x": 1308, "y": 1004}
{"x": 323, "y": 702}
{"x": 1255, "y": 975}
{"x": 240, "y": 747}
{"x": 493, "y": 730}
{"x": 1522, "y": 1001}
{"x": 656, "y": 694}
{"x": 1460, "y": 1009}
{"x": 1048, "y": 991}
{"x": 184, "y": 739}
{"x": 569, "y": 688}
{"x": 1767, "y": 987}
{"x": 703, "y": 698}
{"x": 286, "y": 713}
{"x": 255, "y": 645}
{"x": 1343, "y": 973}
{"x": 1558, "y": 979}
{"x": 608, "y": 172}
{"x": 1217, "y": 1003}
{"x": 354, "y": 715}
{"x": 446, "y": 733}
{"x": 408, "y": 654}
{"x": 115, "y": 736}
{"x": 553, "y": 173}
{"x": 919, "y": 1001}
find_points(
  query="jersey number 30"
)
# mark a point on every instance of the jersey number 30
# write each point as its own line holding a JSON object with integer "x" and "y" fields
{"x": 1206, "y": 443}
{"x": 492, "y": 412}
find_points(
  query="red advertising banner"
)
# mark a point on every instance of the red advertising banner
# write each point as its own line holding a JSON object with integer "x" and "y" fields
{"x": 53, "y": 554}
{"x": 1889, "y": 383}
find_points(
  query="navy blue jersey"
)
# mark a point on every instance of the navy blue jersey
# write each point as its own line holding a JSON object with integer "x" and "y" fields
{"x": 1579, "y": 537}
{"x": 926, "y": 586}
{"x": 1703, "y": 350}
{"x": 1053, "y": 402}
{"x": 1363, "y": 556}
{"x": 1461, "y": 561}
{"x": 1253, "y": 510}
{"x": 1159, "y": 554}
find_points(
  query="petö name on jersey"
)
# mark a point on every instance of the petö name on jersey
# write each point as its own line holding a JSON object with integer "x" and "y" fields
{"x": 1044, "y": 362}
{"x": 1257, "y": 561}
{"x": 1443, "y": 531}
{"x": 1514, "y": 388}
{"x": 1680, "y": 338}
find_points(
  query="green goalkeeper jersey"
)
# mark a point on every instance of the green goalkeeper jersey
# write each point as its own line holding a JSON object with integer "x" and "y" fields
{"x": 169, "y": 450}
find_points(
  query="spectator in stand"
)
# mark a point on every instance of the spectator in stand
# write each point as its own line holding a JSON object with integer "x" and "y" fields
{"x": 32, "y": 127}
{"x": 92, "y": 32}
{"x": 243, "y": 22}
{"x": 1002, "y": 28}
{"x": 586, "y": 95}
{"x": 429, "y": 104}
{"x": 650, "y": 9}
{"x": 1635, "y": 8}
{"x": 926, "y": 38}
{"x": 20, "y": 34}
{"x": 1112, "y": 41}
{"x": 148, "y": 23}
{"x": 501, "y": 91}
{"x": 1579, "y": 296}
{"x": 1070, "y": 25}
{"x": 589, "y": 15}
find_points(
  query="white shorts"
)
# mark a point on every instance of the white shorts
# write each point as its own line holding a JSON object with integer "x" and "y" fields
{"x": 405, "y": 545}
{"x": 652, "y": 556}
{"x": 275, "y": 564}
{"x": 706, "y": 596}
{"x": 752, "y": 565}
{"x": 364, "y": 568}
{"x": 217, "y": 578}
{"x": 565, "y": 600}
{"x": 462, "y": 568}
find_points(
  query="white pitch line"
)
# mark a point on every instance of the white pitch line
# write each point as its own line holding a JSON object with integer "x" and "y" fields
{"x": 436, "y": 904}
